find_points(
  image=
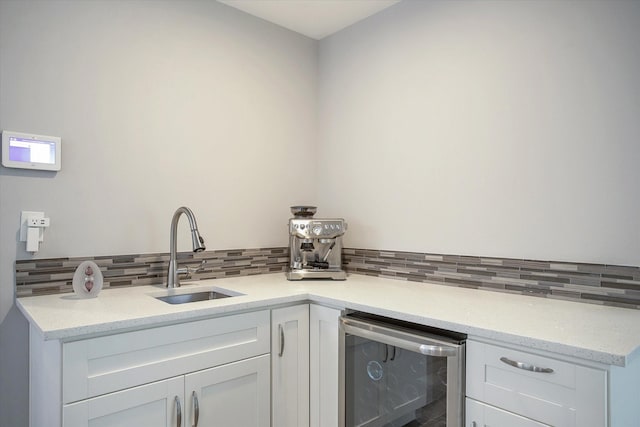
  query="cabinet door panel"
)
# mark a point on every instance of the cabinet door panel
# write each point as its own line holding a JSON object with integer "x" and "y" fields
{"x": 232, "y": 395}
{"x": 290, "y": 366}
{"x": 148, "y": 405}
{"x": 323, "y": 378}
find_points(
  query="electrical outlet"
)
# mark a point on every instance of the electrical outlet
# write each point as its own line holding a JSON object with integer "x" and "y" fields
{"x": 38, "y": 222}
{"x": 24, "y": 219}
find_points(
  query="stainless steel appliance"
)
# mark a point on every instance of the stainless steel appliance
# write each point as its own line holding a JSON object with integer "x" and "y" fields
{"x": 399, "y": 374}
{"x": 315, "y": 246}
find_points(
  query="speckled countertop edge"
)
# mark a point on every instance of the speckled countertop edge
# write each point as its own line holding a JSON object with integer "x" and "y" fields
{"x": 601, "y": 334}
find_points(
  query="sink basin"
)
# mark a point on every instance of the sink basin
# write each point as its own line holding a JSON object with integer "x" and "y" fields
{"x": 193, "y": 297}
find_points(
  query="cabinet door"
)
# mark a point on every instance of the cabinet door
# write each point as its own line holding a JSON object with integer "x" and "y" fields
{"x": 154, "y": 404}
{"x": 290, "y": 366}
{"x": 323, "y": 361}
{"x": 480, "y": 415}
{"x": 231, "y": 395}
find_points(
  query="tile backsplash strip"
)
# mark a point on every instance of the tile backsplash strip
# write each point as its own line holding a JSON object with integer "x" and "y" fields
{"x": 54, "y": 275}
{"x": 590, "y": 283}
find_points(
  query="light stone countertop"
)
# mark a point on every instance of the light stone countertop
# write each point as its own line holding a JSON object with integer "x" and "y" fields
{"x": 607, "y": 335}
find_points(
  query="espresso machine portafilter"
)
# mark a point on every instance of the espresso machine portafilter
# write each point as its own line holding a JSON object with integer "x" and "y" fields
{"x": 315, "y": 246}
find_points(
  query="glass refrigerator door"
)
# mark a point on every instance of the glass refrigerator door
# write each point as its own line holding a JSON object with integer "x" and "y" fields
{"x": 391, "y": 386}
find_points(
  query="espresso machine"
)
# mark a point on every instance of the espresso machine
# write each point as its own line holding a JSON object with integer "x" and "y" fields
{"x": 315, "y": 246}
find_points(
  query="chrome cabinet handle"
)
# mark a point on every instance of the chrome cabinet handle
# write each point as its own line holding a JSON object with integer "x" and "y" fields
{"x": 178, "y": 412}
{"x": 526, "y": 366}
{"x": 196, "y": 409}
{"x": 281, "y": 331}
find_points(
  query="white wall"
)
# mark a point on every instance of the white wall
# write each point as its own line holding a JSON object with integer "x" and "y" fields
{"x": 468, "y": 127}
{"x": 159, "y": 104}
{"x": 497, "y": 128}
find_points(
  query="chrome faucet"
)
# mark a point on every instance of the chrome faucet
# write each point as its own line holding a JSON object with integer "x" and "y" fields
{"x": 173, "y": 280}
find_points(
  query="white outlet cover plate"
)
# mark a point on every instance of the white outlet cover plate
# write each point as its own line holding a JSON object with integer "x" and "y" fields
{"x": 24, "y": 215}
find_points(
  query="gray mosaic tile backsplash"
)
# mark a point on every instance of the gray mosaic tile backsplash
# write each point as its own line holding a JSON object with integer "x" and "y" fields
{"x": 591, "y": 283}
{"x": 50, "y": 276}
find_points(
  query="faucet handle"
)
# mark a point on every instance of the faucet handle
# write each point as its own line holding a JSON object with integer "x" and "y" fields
{"x": 191, "y": 270}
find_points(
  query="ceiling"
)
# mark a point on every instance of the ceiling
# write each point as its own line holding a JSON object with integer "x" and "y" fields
{"x": 312, "y": 18}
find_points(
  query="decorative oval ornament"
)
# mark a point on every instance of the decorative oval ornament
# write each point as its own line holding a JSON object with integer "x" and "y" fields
{"x": 87, "y": 280}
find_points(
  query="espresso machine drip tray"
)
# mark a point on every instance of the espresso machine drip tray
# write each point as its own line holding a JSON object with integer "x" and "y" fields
{"x": 315, "y": 246}
{"x": 306, "y": 273}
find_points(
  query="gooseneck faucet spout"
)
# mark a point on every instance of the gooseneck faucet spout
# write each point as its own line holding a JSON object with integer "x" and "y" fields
{"x": 173, "y": 279}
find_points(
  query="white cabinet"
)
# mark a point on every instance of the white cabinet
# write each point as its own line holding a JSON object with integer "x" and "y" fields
{"x": 323, "y": 361}
{"x": 137, "y": 375}
{"x": 305, "y": 366}
{"x": 536, "y": 387}
{"x": 290, "y": 366}
{"x": 231, "y": 395}
{"x": 226, "y": 396}
{"x": 481, "y": 415}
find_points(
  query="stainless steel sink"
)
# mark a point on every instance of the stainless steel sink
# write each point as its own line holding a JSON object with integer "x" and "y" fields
{"x": 193, "y": 297}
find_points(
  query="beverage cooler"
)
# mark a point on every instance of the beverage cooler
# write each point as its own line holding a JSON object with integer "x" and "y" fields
{"x": 399, "y": 374}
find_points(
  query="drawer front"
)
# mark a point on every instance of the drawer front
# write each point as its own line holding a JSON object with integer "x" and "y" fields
{"x": 102, "y": 365}
{"x": 558, "y": 393}
{"x": 482, "y": 415}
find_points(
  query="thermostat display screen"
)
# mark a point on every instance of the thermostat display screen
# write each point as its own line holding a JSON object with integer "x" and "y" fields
{"x": 28, "y": 151}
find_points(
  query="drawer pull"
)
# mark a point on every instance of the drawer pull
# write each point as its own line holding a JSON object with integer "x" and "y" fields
{"x": 526, "y": 366}
{"x": 178, "y": 412}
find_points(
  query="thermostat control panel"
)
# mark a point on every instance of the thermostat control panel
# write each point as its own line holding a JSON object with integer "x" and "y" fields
{"x": 29, "y": 151}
